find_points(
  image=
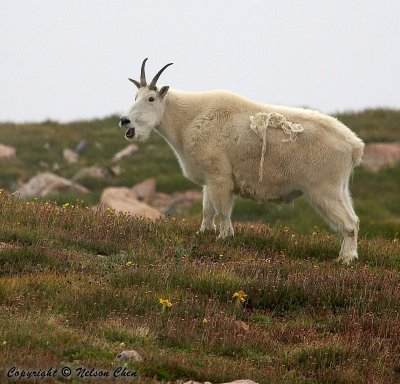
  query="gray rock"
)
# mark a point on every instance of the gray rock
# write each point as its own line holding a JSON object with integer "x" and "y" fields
{"x": 129, "y": 150}
{"x": 48, "y": 184}
{"x": 129, "y": 355}
{"x": 95, "y": 172}
{"x": 70, "y": 156}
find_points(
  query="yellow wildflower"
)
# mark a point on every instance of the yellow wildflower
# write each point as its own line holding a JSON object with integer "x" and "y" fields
{"x": 240, "y": 295}
{"x": 165, "y": 303}
{"x": 205, "y": 321}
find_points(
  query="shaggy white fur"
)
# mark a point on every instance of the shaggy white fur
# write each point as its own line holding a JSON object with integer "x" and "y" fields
{"x": 218, "y": 147}
{"x": 262, "y": 121}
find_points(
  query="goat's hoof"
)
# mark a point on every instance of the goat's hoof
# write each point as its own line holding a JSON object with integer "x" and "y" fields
{"x": 346, "y": 259}
{"x": 225, "y": 235}
{"x": 206, "y": 229}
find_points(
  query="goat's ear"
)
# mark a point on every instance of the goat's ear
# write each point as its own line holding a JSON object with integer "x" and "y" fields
{"x": 135, "y": 82}
{"x": 163, "y": 91}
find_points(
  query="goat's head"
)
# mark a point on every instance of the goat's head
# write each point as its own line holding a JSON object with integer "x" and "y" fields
{"x": 147, "y": 110}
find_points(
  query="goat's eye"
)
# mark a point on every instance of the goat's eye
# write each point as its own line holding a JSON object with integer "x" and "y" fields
{"x": 151, "y": 99}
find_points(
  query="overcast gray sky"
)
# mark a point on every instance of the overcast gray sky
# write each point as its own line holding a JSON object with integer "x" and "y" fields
{"x": 70, "y": 59}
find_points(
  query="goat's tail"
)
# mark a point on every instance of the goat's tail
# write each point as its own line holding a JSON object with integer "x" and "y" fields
{"x": 358, "y": 149}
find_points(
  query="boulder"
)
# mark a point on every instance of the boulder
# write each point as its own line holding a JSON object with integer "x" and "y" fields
{"x": 129, "y": 355}
{"x": 48, "y": 184}
{"x": 380, "y": 155}
{"x": 177, "y": 202}
{"x": 94, "y": 172}
{"x": 123, "y": 199}
{"x": 7, "y": 152}
{"x": 70, "y": 156}
{"x": 146, "y": 190}
{"x": 129, "y": 150}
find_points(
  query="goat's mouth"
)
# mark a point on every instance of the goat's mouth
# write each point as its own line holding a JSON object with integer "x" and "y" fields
{"x": 130, "y": 133}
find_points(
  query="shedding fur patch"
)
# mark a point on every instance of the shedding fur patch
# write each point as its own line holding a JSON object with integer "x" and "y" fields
{"x": 261, "y": 121}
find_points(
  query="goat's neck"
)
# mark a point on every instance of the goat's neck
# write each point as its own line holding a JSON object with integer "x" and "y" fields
{"x": 179, "y": 111}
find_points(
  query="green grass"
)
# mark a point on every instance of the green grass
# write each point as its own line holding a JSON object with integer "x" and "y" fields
{"x": 374, "y": 125}
{"x": 87, "y": 285}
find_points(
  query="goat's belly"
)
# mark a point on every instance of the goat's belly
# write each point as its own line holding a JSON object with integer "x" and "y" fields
{"x": 263, "y": 191}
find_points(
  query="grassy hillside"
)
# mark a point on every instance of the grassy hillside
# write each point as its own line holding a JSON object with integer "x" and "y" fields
{"x": 78, "y": 286}
{"x": 376, "y": 196}
{"x": 374, "y": 125}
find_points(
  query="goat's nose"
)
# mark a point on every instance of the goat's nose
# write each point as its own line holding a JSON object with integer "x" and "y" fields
{"x": 124, "y": 121}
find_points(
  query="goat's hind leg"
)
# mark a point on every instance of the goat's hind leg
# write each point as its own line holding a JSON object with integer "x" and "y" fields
{"x": 336, "y": 209}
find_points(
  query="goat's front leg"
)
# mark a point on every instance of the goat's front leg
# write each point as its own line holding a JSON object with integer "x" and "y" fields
{"x": 220, "y": 193}
{"x": 208, "y": 212}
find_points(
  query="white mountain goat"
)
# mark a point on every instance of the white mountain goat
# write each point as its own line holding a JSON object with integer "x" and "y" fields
{"x": 234, "y": 146}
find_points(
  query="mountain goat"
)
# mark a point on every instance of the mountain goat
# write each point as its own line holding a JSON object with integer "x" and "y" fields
{"x": 234, "y": 146}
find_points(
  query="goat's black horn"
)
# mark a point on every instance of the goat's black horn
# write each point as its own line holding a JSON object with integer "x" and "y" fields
{"x": 143, "y": 74}
{"x": 154, "y": 81}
